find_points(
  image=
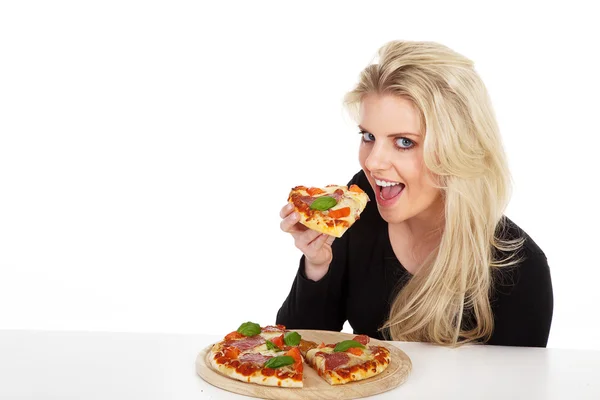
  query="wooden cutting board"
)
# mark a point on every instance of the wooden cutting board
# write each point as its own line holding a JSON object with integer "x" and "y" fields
{"x": 314, "y": 386}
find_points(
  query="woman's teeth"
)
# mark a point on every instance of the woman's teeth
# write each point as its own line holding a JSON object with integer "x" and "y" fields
{"x": 385, "y": 183}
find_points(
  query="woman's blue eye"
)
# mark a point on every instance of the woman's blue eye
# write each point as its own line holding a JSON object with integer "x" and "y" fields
{"x": 404, "y": 143}
{"x": 367, "y": 137}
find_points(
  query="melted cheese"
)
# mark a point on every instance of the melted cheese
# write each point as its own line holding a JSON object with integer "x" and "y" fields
{"x": 356, "y": 201}
{"x": 262, "y": 349}
{"x": 270, "y": 335}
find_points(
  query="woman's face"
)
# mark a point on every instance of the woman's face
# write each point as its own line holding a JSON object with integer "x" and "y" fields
{"x": 391, "y": 155}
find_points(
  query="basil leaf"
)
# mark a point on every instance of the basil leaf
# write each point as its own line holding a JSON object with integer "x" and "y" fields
{"x": 292, "y": 338}
{"x": 279, "y": 361}
{"x": 347, "y": 344}
{"x": 249, "y": 329}
{"x": 271, "y": 346}
{"x": 323, "y": 203}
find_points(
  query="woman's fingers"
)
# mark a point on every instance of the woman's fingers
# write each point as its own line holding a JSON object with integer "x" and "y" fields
{"x": 318, "y": 243}
{"x": 304, "y": 239}
{"x": 310, "y": 242}
{"x": 289, "y": 222}
{"x": 286, "y": 210}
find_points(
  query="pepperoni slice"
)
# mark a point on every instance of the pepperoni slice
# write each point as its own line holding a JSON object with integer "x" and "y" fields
{"x": 362, "y": 339}
{"x": 335, "y": 360}
{"x": 338, "y": 194}
{"x": 254, "y": 358}
{"x": 274, "y": 328}
{"x": 246, "y": 344}
{"x": 307, "y": 199}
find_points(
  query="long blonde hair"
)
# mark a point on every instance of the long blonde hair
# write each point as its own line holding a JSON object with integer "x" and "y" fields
{"x": 463, "y": 149}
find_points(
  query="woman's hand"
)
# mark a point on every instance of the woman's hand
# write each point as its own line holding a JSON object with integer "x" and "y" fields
{"x": 315, "y": 246}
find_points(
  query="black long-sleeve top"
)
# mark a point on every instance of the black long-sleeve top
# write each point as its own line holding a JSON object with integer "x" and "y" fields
{"x": 365, "y": 276}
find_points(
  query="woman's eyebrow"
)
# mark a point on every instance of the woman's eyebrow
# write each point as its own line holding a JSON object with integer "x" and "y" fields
{"x": 392, "y": 134}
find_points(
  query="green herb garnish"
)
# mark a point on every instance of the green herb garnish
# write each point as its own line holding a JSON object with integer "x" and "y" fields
{"x": 249, "y": 329}
{"x": 347, "y": 344}
{"x": 292, "y": 338}
{"x": 323, "y": 203}
{"x": 279, "y": 361}
{"x": 272, "y": 346}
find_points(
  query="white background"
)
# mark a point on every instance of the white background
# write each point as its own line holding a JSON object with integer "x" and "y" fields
{"x": 135, "y": 137}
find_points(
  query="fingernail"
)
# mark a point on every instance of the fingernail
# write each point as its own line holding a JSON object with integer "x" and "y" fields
{"x": 294, "y": 216}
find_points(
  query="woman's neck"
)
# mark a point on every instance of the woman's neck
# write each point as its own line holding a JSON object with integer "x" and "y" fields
{"x": 415, "y": 239}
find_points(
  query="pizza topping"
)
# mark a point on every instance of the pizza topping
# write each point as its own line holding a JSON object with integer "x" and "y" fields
{"x": 292, "y": 338}
{"x": 249, "y": 329}
{"x": 246, "y": 344}
{"x": 314, "y": 191}
{"x": 330, "y": 345}
{"x": 362, "y": 339}
{"x": 255, "y": 358}
{"x": 279, "y": 361}
{"x": 306, "y": 345}
{"x": 309, "y": 200}
{"x": 235, "y": 335}
{"x": 231, "y": 352}
{"x": 335, "y": 360}
{"x": 355, "y": 188}
{"x": 378, "y": 352}
{"x": 294, "y": 352}
{"x": 323, "y": 203}
{"x": 274, "y": 328}
{"x": 355, "y": 350}
{"x": 347, "y": 344}
{"x": 278, "y": 341}
{"x": 339, "y": 213}
{"x": 271, "y": 346}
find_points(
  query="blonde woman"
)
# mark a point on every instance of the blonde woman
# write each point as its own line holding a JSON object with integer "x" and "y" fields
{"x": 433, "y": 257}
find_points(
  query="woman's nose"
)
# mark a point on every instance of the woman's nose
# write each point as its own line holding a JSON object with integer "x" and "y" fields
{"x": 378, "y": 158}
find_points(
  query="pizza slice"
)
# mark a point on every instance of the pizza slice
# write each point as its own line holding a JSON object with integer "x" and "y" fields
{"x": 346, "y": 361}
{"x": 331, "y": 210}
{"x": 263, "y": 355}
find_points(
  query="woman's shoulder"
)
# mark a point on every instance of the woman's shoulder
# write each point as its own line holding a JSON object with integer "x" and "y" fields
{"x": 508, "y": 230}
{"x": 522, "y": 297}
{"x": 523, "y": 267}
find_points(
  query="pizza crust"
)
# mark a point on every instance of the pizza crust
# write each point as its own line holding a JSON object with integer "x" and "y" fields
{"x": 317, "y": 223}
{"x": 257, "y": 377}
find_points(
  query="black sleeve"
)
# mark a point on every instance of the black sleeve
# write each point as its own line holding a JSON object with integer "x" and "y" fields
{"x": 523, "y": 303}
{"x": 321, "y": 304}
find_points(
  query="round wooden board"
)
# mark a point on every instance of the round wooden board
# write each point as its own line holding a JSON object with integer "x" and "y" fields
{"x": 315, "y": 387}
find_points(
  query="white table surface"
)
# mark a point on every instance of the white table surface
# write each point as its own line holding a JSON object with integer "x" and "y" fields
{"x": 96, "y": 365}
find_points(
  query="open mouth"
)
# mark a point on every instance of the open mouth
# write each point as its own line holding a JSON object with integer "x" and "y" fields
{"x": 388, "y": 190}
